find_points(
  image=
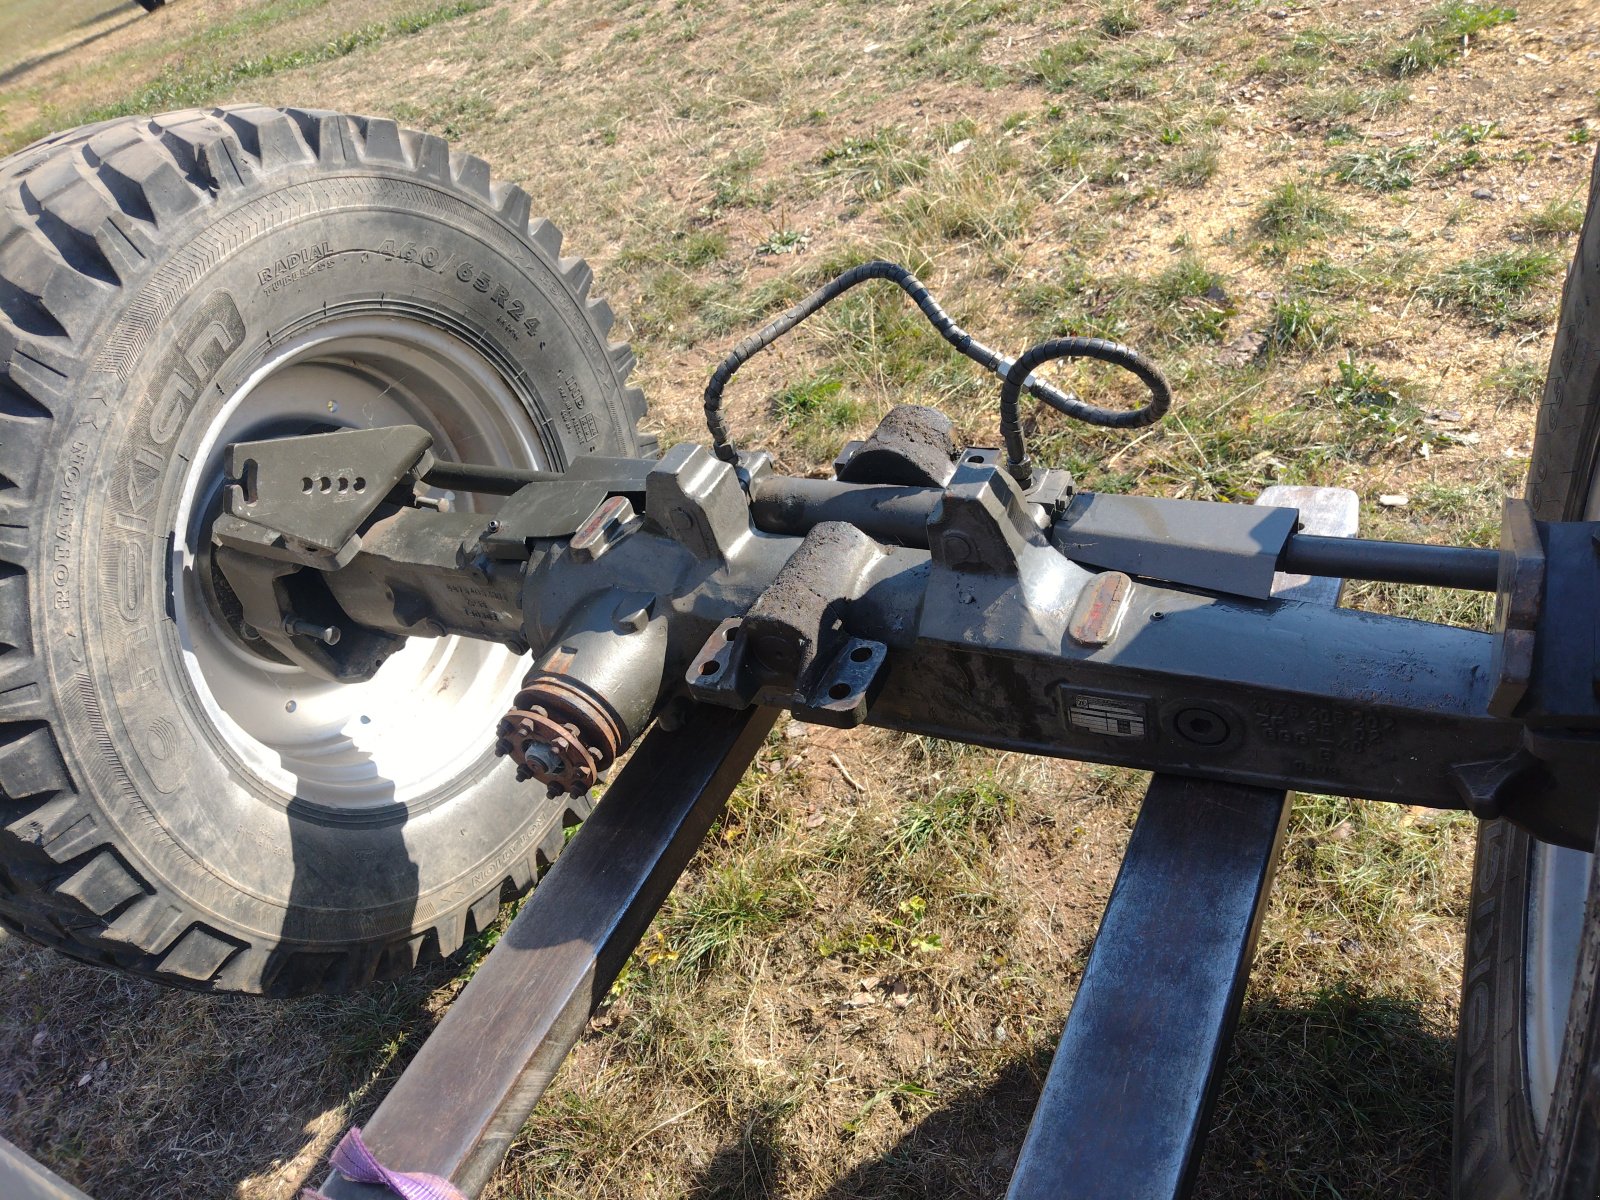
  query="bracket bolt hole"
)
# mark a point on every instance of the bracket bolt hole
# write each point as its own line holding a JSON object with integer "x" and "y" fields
{"x": 839, "y": 691}
{"x": 710, "y": 667}
{"x": 861, "y": 654}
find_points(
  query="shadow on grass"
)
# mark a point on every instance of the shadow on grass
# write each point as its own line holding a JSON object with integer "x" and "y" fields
{"x": 133, "y": 1090}
{"x": 22, "y": 67}
{"x": 1336, "y": 1094}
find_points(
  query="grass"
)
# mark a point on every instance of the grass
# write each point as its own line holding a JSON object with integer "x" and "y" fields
{"x": 1445, "y": 33}
{"x": 1295, "y": 213}
{"x": 1494, "y": 288}
{"x": 189, "y": 84}
{"x": 1302, "y": 323}
{"x": 856, "y": 987}
{"x": 817, "y": 411}
{"x": 1381, "y": 169}
{"x": 1554, "y": 219}
{"x": 877, "y": 164}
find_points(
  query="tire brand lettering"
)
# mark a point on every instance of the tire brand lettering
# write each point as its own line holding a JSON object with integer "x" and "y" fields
{"x": 203, "y": 345}
{"x": 66, "y": 510}
{"x": 292, "y": 265}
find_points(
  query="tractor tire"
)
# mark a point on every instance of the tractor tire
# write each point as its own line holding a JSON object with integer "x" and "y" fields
{"x": 152, "y": 5}
{"x": 174, "y": 802}
{"x": 1527, "y": 1118}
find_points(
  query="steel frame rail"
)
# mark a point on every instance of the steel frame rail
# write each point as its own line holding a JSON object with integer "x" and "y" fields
{"x": 1128, "y": 1098}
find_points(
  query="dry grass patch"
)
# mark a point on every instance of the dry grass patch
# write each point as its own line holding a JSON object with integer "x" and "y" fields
{"x": 857, "y": 988}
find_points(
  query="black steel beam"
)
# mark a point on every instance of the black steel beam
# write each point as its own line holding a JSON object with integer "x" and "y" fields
{"x": 21, "y": 1178}
{"x": 454, "y": 1111}
{"x": 1128, "y": 1097}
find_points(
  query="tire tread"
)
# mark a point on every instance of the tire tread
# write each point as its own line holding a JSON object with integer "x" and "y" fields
{"x": 95, "y": 201}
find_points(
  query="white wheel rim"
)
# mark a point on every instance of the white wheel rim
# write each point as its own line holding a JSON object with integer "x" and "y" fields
{"x": 426, "y": 719}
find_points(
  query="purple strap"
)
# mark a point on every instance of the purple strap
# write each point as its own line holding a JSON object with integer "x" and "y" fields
{"x": 355, "y": 1162}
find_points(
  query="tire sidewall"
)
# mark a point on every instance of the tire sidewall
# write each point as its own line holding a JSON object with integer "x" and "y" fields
{"x": 172, "y": 348}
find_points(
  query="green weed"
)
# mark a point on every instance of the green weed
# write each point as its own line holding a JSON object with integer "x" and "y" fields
{"x": 1296, "y": 212}
{"x": 1387, "y": 169}
{"x": 1443, "y": 34}
{"x": 1494, "y": 287}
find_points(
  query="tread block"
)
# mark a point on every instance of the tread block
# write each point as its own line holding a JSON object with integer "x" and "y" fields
{"x": 401, "y": 957}
{"x": 207, "y": 151}
{"x": 451, "y": 933}
{"x": 102, "y": 884}
{"x": 59, "y": 829}
{"x": 472, "y": 174}
{"x": 242, "y": 972}
{"x": 147, "y": 925}
{"x": 579, "y": 276}
{"x": 109, "y": 141}
{"x": 547, "y": 237}
{"x": 324, "y": 132}
{"x": 267, "y": 135}
{"x": 16, "y": 626}
{"x": 198, "y": 954}
{"x": 27, "y": 272}
{"x": 30, "y": 762}
{"x": 514, "y": 204}
{"x": 601, "y": 314}
{"x": 23, "y": 701}
{"x": 623, "y": 359}
{"x": 380, "y": 140}
{"x": 68, "y": 213}
{"x": 430, "y": 155}
{"x": 483, "y": 911}
{"x": 22, "y": 444}
{"x": 147, "y": 183}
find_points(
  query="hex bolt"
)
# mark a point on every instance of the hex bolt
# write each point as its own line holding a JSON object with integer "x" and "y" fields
{"x": 328, "y": 635}
{"x": 629, "y": 617}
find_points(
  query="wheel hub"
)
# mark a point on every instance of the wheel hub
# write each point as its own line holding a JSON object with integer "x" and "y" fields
{"x": 422, "y": 721}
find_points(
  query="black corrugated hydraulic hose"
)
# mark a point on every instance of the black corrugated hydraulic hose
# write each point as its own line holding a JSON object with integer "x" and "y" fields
{"x": 1114, "y": 353}
{"x": 965, "y": 343}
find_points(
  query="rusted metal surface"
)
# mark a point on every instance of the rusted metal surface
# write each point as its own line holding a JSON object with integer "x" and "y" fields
{"x": 1099, "y": 610}
{"x": 1129, "y": 1094}
{"x": 456, "y": 1108}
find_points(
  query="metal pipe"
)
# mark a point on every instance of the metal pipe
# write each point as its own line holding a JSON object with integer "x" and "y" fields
{"x": 493, "y": 481}
{"x": 887, "y": 512}
{"x": 1392, "y": 562}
